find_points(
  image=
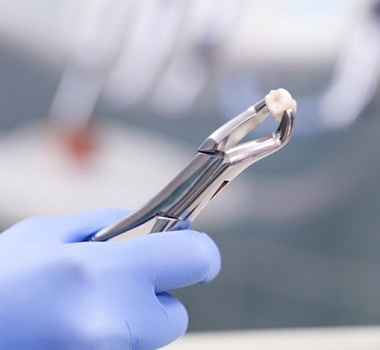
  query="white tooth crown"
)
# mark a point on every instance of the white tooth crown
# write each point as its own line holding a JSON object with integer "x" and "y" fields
{"x": 278, "y": 101}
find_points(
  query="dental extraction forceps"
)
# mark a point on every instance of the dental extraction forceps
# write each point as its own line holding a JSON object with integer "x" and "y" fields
{"x": 218, "y": 160}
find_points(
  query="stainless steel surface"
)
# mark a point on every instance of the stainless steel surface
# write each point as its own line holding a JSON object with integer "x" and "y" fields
{"x": 218, "y": 160}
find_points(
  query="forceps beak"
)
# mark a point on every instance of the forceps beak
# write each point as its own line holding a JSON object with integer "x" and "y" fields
{"x": 226, "y": 138}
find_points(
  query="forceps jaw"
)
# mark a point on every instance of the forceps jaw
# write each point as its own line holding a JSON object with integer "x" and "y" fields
{"x": 255, "y": 150}
{"x": 226, "y": 138}
{"x": 230, "y": 133}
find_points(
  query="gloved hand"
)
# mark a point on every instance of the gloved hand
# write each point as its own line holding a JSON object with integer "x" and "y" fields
{"x": 58, "y": 292}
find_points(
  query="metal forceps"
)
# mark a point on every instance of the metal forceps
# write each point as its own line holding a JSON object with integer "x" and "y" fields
{"x": 218, "y": 160}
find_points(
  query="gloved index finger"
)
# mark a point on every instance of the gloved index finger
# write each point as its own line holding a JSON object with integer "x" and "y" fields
{"x": 172, "y": 259}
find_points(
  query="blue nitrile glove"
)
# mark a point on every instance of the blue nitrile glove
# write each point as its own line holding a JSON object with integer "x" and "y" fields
{"x": 57, "y": 292}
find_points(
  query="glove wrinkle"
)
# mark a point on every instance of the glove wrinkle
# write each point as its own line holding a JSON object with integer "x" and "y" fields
{"x": 133, "y": 342}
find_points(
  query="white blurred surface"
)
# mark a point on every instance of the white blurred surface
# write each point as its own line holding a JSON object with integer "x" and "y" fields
{"x": 39, "y": 178}
{"x": 351, "y": 338}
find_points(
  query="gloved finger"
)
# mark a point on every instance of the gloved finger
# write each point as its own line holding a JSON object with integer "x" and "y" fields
{"x": 79, "y": 227}
{"x": 171, "y": 259}
{"x": 194, "y": 258}
{"x": 182, "y": 225}
{"x": 166, "y": 325}
{"x": 67, "y": 228}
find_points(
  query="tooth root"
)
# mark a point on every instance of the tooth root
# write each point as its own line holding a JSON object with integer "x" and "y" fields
{"x": 278, "y": 101}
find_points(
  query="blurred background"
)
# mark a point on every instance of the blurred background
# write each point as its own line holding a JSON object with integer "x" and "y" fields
{"x": 103, "y": 102}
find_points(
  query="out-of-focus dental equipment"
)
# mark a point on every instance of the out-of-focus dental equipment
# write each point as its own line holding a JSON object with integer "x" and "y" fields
{"x": 356, "y": 78}
{"x": 94, "y": 51}
{"x": 219, "y": 159}
{"x": 170, "y": 52}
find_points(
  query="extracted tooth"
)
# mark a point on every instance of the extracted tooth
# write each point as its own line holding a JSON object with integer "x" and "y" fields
{"x": 278, "y": 101}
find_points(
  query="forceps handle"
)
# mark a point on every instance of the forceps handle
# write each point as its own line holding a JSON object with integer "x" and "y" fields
{"x": 182, "y": 199}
